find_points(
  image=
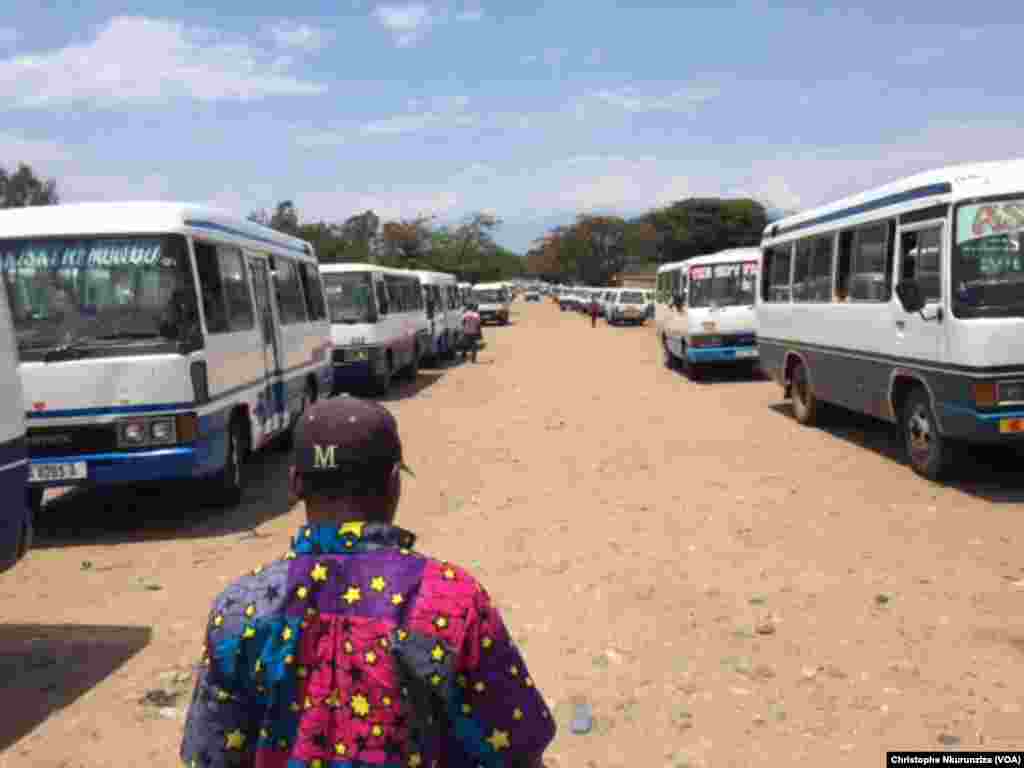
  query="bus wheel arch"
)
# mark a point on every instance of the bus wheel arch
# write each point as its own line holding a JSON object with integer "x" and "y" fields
{"x": 801, "y": 390}
{"x": 928, "y": 451}
{"x": 229, "y": 481}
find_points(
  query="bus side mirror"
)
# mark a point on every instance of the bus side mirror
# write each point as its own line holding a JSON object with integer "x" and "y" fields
{"x": 910, "y": 296}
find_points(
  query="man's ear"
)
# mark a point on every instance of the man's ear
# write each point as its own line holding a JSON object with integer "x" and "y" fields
{"x": 295, "y": 488}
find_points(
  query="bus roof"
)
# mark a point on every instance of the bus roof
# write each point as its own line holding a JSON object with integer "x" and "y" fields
{"x": 364, "y": 266}
{"x": 426, "y": 274}
{"x": 670, "y": 266}
{"x": 79, "y": 219}
{"x": 489, "y": 286}
{"x": 943, "y": 185}
{"x": 728, "y": 255}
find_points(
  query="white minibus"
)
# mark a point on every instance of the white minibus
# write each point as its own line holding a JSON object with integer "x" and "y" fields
{"x": 627, "y": 305}
{"x": 708, "y": 316}
{"x": 15, "y": 517}
{"x": 905, "y": 303}
{"x": 378, "y": 324}
{"x": 493, "y": 302}
{"x": 159, "y": 341}
{"x": 444, "y": 314}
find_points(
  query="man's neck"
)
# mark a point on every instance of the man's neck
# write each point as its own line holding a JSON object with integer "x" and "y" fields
{"x": 339, "y": 516}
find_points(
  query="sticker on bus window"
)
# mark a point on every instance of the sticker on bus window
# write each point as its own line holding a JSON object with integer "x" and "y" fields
{"x": 750, "y": 268}
{"x": 699, "y": 273}
{"x": 974, "y": 221}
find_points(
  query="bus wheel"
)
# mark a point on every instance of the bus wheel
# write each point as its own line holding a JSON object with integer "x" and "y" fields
{"x": 928, "y": 451}
{"x": 412, "y": 370}
{"x": 805, "y": 404}
{"x": 229, "y": 481}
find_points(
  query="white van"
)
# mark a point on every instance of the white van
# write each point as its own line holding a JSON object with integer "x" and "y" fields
{"x": 710, "y": 318}
{"x": 444, "y": 314}
{"x": 607, "y": 299}
{"x": 159, "y": 341}
{"x": 378, "y": 324}
{"x": 494, "y": 302}
{"x": 627, "y": 306}
{"x": 15, "y": 517}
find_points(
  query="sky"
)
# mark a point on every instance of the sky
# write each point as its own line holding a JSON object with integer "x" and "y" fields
{"x": 532, "y": 111}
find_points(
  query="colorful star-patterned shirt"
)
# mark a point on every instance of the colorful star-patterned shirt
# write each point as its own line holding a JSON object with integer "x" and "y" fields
{"x": 355, "y": 650}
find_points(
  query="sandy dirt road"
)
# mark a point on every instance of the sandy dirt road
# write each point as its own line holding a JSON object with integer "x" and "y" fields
{"x": 724, "y": 587}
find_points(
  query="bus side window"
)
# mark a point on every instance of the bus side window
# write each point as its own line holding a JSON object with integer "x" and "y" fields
{"x": 871, "y": 273}
{"x": 919, "y": 260}
{"x": 236, "y": 289}
{"x": 291, "y": 305}
{"x": 211, "y": 288}
{"x": 315, "y": 304}
{"x": 383, "y": 306}
{"x": 845, "y": 264}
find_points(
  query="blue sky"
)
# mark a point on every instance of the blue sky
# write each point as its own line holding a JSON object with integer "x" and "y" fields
{"x": 532, "y": 110}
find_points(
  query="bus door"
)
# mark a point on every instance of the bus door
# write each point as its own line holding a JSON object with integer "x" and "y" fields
{"x": 272, "y": 406}
{"x": 921, "y": 258}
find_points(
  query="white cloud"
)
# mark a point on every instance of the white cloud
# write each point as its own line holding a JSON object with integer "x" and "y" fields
{"x": 288, "y": 34}
{"x": 136, "y": 60}
{"x": 687, "y": 99}
{"x": 8, "y": 35}
{"x": 443, "y": 114}
{"x": 408, "y": 23}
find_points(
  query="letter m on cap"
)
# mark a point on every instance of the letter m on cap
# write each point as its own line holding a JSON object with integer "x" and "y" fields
{"x": 323, "y": 457}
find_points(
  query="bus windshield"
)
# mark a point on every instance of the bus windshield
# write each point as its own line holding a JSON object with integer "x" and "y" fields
{"x": 722, "y": 285}
{"x": 988, "y": 260}
{"x": 631, "y": 297}
{"x": 350, "y": 297}
{"x": 99, "y": 291}
{"x": 489, "y": 296}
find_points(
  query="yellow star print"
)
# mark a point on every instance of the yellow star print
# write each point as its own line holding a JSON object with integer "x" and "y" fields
{"x": 282, "y": 744}
{"x": 222, "y": 695}
{"x": 289, "y": 660}
{"x": 311, "y": 612}
{"x": 294, "y": 706}
{"x": 301, "y": 672}
{"x": 371, "y": 657}
{"x": 378, "y": 583}
{"x": 441, "y": 622}
{"x": 308, "y": 703}
{"x": 302, "y": 592}
{"x": 415, "y": 760}
{"x": 333, "y": 700}
{"x": 286, "y": 634}
{"x": 377, "y": 731}
{"x": 513, "y": 670}
{"x": 466, "y": 709}
{"x": 348, "y": 647}
{"x": 218, "y": 620}
{"x": 436, "y": 679}
{"x": 289, "y": 555}
{"x": 402, "y": 634}
{"x": 360, "y": 705}
{"x": 257, "y": 570}
{"x": 397, "y": 599}
{"x": 383, "y": 642}
{"x": 486, "y": 643}
{"x": 517, "y": 714}
{"x": 340, "y": 748}
{"x": 352, "y": 595}
{"x": 235, "y": 740}
{"x": 386, "y": 701}
{"x": 250, "y": 610}
{"x": 259, "y": 665}
{"x": 319, "y": 572}
{"x": 499, "y": 740}
{"x": 405, "y": 550}
{"x": 355, "y": 528}
{"x": 248, "y": 632}
{"x": 461, "y": 680}
{"x": 264, "y": 733}
{"x": 448, "y": 573}
{"x": 438, "y": 653}
{"x": 480, "y": 687}
{"x": 316, "y": 762}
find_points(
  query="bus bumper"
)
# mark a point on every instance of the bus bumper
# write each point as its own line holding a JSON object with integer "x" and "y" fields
{"x": 721, "y": 354}
{"x": 962, "y": 422}
{"x": 128, "y": 468}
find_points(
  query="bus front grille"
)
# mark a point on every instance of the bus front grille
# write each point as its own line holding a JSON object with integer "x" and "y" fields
{"x": 68, "y": 441}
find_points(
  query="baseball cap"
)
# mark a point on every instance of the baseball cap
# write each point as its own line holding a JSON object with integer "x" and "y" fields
{"x": 345, "y": 434}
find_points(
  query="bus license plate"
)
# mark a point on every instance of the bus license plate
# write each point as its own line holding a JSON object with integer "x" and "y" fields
{"x": 1011, "y": 426}
{"x": 746, "y": 353}
{"x": 48, "y": 473}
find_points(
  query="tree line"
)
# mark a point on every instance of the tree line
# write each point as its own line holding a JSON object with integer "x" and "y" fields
{"x": 466, "y": 249}
{"x": 594, "y": 249}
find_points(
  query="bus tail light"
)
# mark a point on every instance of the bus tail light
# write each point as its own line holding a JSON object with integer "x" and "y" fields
{"x": 985, "y": 394}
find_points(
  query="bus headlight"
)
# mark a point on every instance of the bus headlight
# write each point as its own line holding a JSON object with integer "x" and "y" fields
{"x": 162, "y": 430}
{"x": 133, "y": 432}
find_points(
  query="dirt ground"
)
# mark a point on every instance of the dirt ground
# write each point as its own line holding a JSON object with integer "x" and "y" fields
{"x": 724, "y": 587}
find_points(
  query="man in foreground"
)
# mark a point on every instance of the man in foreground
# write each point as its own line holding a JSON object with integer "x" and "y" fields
{"x": 354, "y": 649}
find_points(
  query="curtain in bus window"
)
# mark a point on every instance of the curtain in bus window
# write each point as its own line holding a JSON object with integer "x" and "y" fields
{"x": 236, "y": 289}
{"x": 779, "y": 287}
{"x": 801, "y": 270}
{"x": 289, "y": 293}
{"x": 870, "y": 280}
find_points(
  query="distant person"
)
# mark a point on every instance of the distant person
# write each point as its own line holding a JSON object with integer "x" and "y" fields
{"x": 471, "y": 333}
{"x": 354, "y": 649}
{"x": 595, "y": 310}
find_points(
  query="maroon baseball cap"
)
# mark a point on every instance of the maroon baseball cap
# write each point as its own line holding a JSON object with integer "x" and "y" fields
{"x": 344, "y": 434}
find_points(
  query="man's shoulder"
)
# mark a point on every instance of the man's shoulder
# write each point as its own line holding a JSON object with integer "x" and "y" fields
{"x": 257, "y": 595}
{"x": 445, "y": 577}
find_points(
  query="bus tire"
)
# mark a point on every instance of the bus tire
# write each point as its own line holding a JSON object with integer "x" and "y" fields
{"x": 928, "y": 452}
{"x": 805, "y": 403}
{"x": 34, "y": 499}
{"x": 229, "y": 482}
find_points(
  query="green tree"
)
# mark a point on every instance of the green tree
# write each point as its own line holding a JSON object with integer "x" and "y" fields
{"x": 23, "y": 188}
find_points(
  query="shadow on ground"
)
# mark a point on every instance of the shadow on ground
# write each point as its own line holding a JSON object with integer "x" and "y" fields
{"x": 44, "y": 668}
{"x": 173, "y": 512}
{"x": 987, "y": 472}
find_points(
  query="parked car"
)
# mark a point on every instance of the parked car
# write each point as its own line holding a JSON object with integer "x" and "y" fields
{"x": 629, "y": 306}
{"x": 531, "y": 296}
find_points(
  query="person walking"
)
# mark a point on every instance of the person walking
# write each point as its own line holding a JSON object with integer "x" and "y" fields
{"x": 355, "y": 649}
{"x": 471, "y": 332}
{"x": 595, "y": 309}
